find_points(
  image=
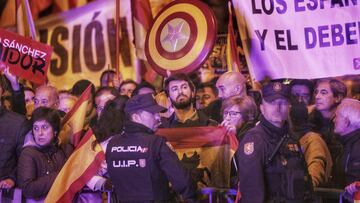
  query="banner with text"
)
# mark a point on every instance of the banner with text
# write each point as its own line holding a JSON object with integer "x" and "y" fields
{"x": 84, "y": 42}
{"x": 300, "y": 38}
{"x": 25, "y": 57}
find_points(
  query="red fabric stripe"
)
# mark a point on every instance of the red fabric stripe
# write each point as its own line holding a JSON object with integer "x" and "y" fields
{"x": 233, "y": 47}
{"x": 196, "y": 137}
{"x": 72, "y": 4}
{"x": 83, "y": 179}
{"x": 84, "y": 140}
{"x": 83, "y": 97}
{"x": 141, "y": 10}
{"x": 76, "y": 138}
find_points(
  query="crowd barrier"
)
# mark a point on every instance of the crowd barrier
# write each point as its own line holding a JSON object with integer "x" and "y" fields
{"x": 208, "y": 194}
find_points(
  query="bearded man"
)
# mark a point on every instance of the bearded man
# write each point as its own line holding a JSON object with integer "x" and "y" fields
{"x": 181, "y": 92}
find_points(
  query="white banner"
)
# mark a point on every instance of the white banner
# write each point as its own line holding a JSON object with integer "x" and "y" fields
{"x": 300, "y": 38}
{"x": 84, "y": 42}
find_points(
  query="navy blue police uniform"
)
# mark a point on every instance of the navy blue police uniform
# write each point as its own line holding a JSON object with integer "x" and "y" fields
{"x": 141, "y": 164}
{"x": 271, "y": 165}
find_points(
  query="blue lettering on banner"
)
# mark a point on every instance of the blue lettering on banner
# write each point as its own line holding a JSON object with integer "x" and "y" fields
{"x": 332, "y": 35}
{"x": 356, "y": 62}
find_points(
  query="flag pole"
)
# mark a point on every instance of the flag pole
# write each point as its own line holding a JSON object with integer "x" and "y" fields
{"x": 117, "y": 43}
{"x": 29, "y": 19}
{"x": 253, "y": 84}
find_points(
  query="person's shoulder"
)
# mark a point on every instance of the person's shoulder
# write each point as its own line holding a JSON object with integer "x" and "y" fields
{"x": 30, "y": 150}
{"x": 67, "y": 148}
{"x": 310, "y": 137}
{"x": 252, "y": 144}
{"x": 10, "y": 115}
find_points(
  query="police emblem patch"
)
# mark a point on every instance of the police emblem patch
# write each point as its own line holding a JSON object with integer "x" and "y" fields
{"x": 277, "y": 87}
{"x": 142, "y": 163}
{"x": 249, "y": 148}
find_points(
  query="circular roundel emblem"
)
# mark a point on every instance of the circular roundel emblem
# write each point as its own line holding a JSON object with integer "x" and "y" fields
{"x": 277, "y": 87}
{"x": 181, "y": 38}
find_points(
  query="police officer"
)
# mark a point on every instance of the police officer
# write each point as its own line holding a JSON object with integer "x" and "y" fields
{"x": 140, "y": 163}
{"x": 271, "y": 167}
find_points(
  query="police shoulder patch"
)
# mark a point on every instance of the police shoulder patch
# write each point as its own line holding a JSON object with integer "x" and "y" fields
{"x": 249, "y": 148}
{"x": 170, "y": 146}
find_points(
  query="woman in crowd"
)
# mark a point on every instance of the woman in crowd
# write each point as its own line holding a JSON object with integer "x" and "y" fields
{"x": 239, "y": 114}
{"x": 40, "y": 163}
{"x": 104, "y": 131}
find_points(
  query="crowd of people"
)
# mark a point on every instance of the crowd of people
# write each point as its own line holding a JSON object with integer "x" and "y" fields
{"x": 294, "y": 135}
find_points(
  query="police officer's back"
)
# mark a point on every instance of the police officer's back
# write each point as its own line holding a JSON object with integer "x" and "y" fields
{"x": 140, "y": 163}
{"x": 271, "y": 167}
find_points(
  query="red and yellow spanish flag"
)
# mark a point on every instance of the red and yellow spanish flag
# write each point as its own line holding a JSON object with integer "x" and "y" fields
{"x": 142, "y": 21}
{"x": 232, "y": 55}
{"x": 81, "y": 166}
{"x": 209, "y": 149}
{"x": 74, "y": 121}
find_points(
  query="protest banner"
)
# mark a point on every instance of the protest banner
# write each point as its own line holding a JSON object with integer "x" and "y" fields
{"x": 205, "y": 151}
{"x": 25, "y": 57}
{"x": 84, "y": 42}
{"x": 300, "y": 38}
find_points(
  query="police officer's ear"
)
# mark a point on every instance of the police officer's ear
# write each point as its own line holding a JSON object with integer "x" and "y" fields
{"x": 347, "y": 122}
{"x": 262, "y": 107}
{"x": 136, "y": 117}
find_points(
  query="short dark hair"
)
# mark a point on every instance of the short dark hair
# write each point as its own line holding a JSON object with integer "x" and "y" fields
{"x": 26, "y": 88}
{"x": 5, "y": 83}
{"x": 308, "y": 83}
{"x": 49, "y": 115}
{"x": 337, "y": 87}
{"x": 80, "y": 86}
{"x": 112, "y": 91}
{"x": 128, "y": 81}
{"x": 178, "y": 76}
{"x": 143, "y": 84}
{"x": 106, "y": 72}
{"x": 209, "y": 85}
{"x": 114, "y": 112}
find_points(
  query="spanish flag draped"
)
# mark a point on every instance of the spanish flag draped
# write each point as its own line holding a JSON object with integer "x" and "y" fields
{"x": 74, "y": 121}
{"x": 142, "y": 21}
{"x": 81, "y": 166}
{"x": 207, "y": 149}
{"x": 232, "y": 55}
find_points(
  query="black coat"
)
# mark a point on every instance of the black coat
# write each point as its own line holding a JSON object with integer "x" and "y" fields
{"x": 262, "y": 180}
{"x": 141, "y": 165}
{"x": 13, "y": 128}
{"x": 38, "y": 168}
{"x": 351, "y": 157}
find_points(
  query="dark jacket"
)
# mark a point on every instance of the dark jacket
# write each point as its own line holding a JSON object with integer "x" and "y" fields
{"x": 213, "y": 110}
{"x": 325, "y": 127}
{"x": 172, "y": 122}
{"x": 38, "y": 168}
{"x": 18, "y": 101}
{"x": 351, "y": 157}
{"x": 141, "y": 165}
{"x": 13, "y": 128}
{"x": 282, "y": 178}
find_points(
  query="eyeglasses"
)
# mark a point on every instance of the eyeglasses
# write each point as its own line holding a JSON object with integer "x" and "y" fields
{"x": 232, "y": 114}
